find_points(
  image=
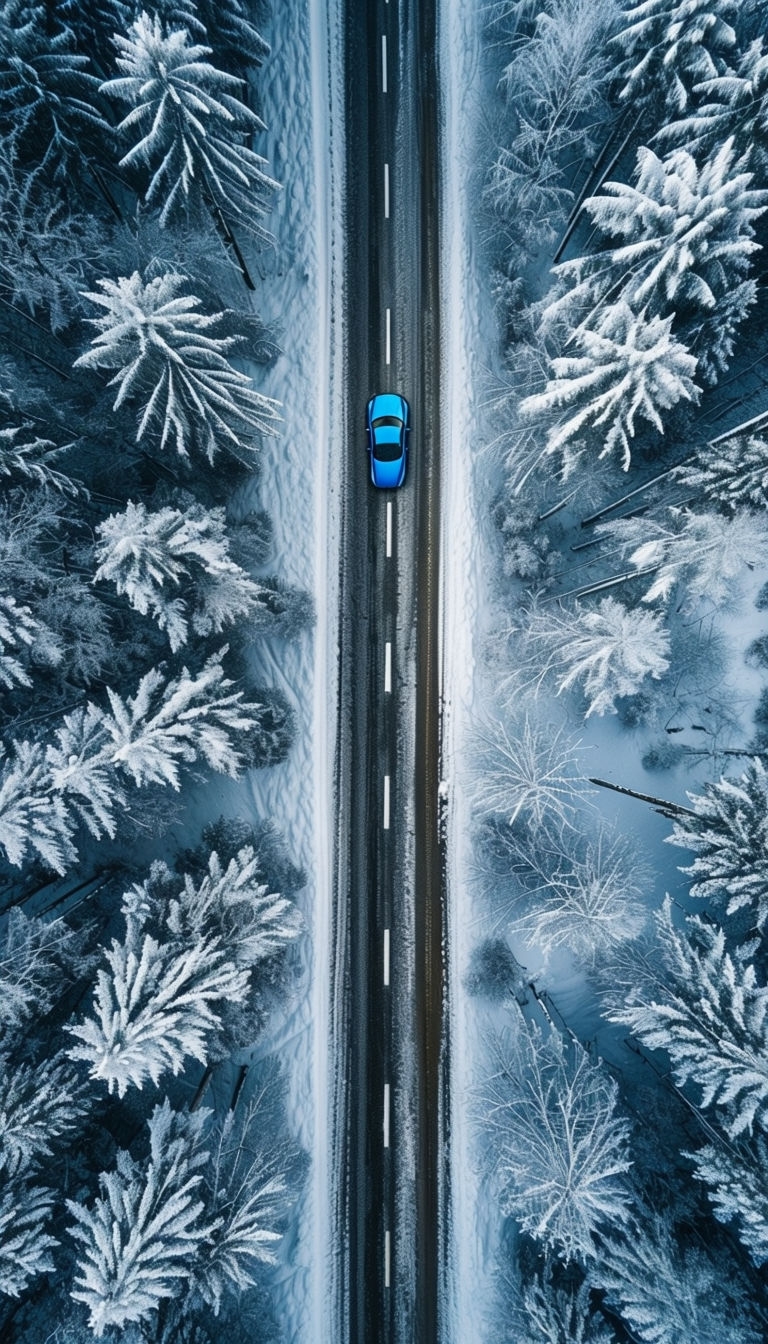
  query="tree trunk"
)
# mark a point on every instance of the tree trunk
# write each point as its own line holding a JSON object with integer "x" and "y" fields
{"x": 660, "y": 804}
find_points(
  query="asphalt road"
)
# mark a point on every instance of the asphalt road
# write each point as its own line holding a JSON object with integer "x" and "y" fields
{"x": 388, "y": 974}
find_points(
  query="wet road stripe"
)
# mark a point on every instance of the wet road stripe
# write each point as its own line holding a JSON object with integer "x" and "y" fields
{"x": 386, "y": 1115}
{"x": 386, "y": 191}
{"x": 384, "y": 63}
{"x": 389, "y": 528}
{"x": 386, "y": 956}
{"x": 387, "y": 667}
{"x": 386, "y": 802}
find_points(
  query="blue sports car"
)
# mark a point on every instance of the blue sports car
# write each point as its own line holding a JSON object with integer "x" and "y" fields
{"x": 388, "y": 426}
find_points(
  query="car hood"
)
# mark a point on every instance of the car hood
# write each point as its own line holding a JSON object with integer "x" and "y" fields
{"x": 387, "y": 403}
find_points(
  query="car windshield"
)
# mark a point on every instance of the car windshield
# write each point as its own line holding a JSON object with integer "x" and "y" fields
{"x": 392, "y": 420}
{"x": 387, "y": 452}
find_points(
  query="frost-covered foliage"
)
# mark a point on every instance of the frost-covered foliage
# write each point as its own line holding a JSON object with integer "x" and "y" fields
{"x": 628, "y": 366}
{"x": 734, "y": 104}
{"x": 37, "y": 957}
{"x": 23, "y": 455}
{"x": 18, "y": 629}
{"x": 177, "y": 567}
{"x": 25, "y": 1245}
{"x": 141, "y": 1236}
{"x": 561, "y": 1315}
{"x": 709, "y": 1012}
{"x": 560, "y": 1147}
{"x": 703, "y": 553}
{"x": 608, "y": 651}
{"x": 728, "y": 831}
{"x": 80, "y": 775}
{"x": 174, "y": 360}
{"x": 554, "y": 84}
{"x": 687, "y": 238}
{"x": 48, "y": 97}
{"x": 737, "y": 1185}
{"x": 39, "y": 1105}
{"x": 184, "y": 957}
{"x": 666, "y": 1295}
{"x": 527, "y": 770}
{"x": 732, "y": 474}
{"x": 188, "y": 126}
{"x": 667, "y": 47}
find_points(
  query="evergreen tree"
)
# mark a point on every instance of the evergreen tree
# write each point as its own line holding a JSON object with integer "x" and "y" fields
{"x": 561, "y": 1150}
{"x": 169, "y": 358}
{"x": 562, "y": 1316}
{"x": 25, "y": 1245}
{"x": 710, "y": 1015}
{"x": 739, "y": 109}
{"x": 141, "y": 1236}
{"x": 39, "y": 1105}
{"x": 669, "y": 46}
{"x": 31, "y": 819}
{"x": 23, "y": 454}
{"x": 37, "y": 957}
{"x": 705, "y": 553}
{"x": 732, "y": 474}
{"x": 608, "y": 650}
{"x": 18, "y": 629}
{"x": 188, "y": 126}
{"x": 728, "y": 830}
{"x": 629, "y": 365}
{"x": 737, "y": 1186}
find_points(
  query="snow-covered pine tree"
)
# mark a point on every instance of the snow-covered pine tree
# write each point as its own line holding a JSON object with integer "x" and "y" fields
{"x": 32, "y": 819}
{"x": 710, "y": 1014}
{"x": 628, "y": 365}
{"x": 732, "y": 474}
{"x": 738, "y": 109}
{"x": 706, "y": 554}
{"x": 558, "y": 1315}
{"x": 231, "y": 30}
{"x": 528, "y": 770}
{"x": 154, "y": 1007}
{"x": 188, "y": 126}
{"x": 141, "y": 1237}
{"x": 561, "y": 1149}
{"x": 728, "y": 831}
{"x": 737, "y": 1185}
{"x": 18, "y": 630}
{"x": 168, "y": 357}
{"x": 608, "y": 650}
{"x": 667, "y": 1295}
{"x": 37, "y": 957}
{"x": 39, "y": 1105}
{"x": 48, "y": 98}
{"x": 666, "y": 47}
{"x": 23, "y": 454}
{"x": 25, "y": 1245}
{"x": 686, "y": 231}
{"x": 176, "y": 566}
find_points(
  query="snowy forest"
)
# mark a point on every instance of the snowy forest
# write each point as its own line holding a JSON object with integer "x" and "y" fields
{"x": 620, "y": 981}
{"x": 139, "y": 1201}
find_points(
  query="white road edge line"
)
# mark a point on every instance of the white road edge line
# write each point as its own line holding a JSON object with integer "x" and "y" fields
{"x": 387, "y": 668}
{"x": 388, "y": 325}
{"x": 386, "y": 802}
{"x": 386, "y": 191}
{"x": 384, "y": 63}
{"x": 387, "y": 1257}
{"x": 386, "y": 956}
{"x": 386, "y": 1115}
{"x": 389, "y": 528}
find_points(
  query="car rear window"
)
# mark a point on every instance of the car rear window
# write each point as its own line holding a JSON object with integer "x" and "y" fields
{"x": 392, "y": 420}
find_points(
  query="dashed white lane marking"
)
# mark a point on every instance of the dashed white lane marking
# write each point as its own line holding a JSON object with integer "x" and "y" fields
{"x": 389, "y": 528}
{"x": 384, "y": 63}
{"x": 386, "y": 802}
{"x": 386, "y": 956}
{"x": 387, "y": 1258}
{"x": 386, "y": 1115}
{"x": 386, "y": 191}
{"x": 387, "y": 667}
{"x": 388, "y": 342}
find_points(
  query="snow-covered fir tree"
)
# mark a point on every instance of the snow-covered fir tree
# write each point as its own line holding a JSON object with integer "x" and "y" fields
{"x": 629, "y": 366}
{"x": 728, "y": 831}
{"x": 704, "y": 554}
{"x": 667, "y": 1295}
{"x": 188, "y": 126}
{"x": 18, "y": 629}
{"x": 709, "y": 1013}
{"x": 140, "y": 1238}
{"x": 666, "y": 47}
{"x": 174, "y": 360}
{"x": 734, "y": 105}
{"x": 732, "y": 474}
{"x": 560, "y": 1150}
{"x": 607, "y": 651}
{"x": 37, "y": 957}
{"x": 559, "y": 1315}
{"x": 25, "y": 1243}
{"x": 176, "y": 566}
{"x": 23, "y": 454}
{"x": 32, "y": 818}
{"x": 737, "y": 1185}
{"x": 39, "y": 1105}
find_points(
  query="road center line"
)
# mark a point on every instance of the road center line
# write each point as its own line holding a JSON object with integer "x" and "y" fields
{"x": 386, "y": 802}
{"x": 386, "y": 191}
{"x": 388, "y": 326}
{"x": 389, "y": 528}
{"x": 386, "y": 1115}
{"x": 386, "y": 956}
{"x": 387, "y": 1258}
{"x": 384, "y": 63}
{"x": 387, "y": 667}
